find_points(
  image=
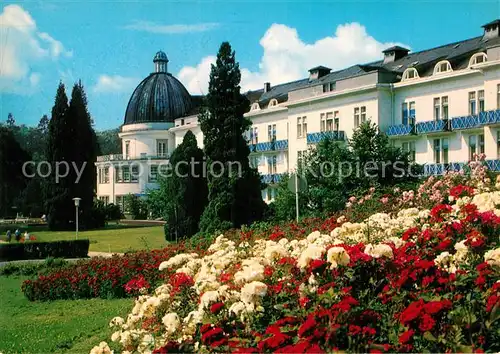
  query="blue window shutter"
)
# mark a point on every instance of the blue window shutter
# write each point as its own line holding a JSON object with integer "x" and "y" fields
{"x": 405, "y": 116}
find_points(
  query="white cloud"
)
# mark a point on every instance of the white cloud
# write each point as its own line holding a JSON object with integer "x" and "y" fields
{"x": 196, "y": 78}
{"x": 21, "y": 46}
{"x": 152, "y": 27}
{"x": 115, "y": 84}
{"x": 286, "y": 57}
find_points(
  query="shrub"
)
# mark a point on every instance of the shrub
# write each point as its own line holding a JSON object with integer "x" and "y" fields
{"x": 31, "y": 269}
{"x": 41, "y": 250}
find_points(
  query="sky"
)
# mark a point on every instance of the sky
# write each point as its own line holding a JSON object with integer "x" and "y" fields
{"x": 109, "y": 45}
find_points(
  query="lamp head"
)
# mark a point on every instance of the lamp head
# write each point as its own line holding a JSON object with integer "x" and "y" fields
{"x": 77, "y": 201}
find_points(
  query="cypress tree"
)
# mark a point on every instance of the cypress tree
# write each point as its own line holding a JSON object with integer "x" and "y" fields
{"x": 60, "y": 146}
{"x": 234, "y": 196}
{"x": 84, "y": 153}
{"x": 186, "y": 190}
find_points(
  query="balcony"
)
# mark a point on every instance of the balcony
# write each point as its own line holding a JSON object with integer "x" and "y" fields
{"x": 433, "y": 126}
{"x": 401, "y": 130}
{"x": 272, "y": 178}
{"x": 314, "y": 138}
{"x": 441, "y": 168}
{"x": 489, "y": 117}
{"x": 465, "y": 122}
{"x": 277, "y": 145}
{"x": 120, "y": 157}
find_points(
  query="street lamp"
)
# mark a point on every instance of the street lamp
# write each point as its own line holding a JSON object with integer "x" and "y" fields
{"x": 77, "y": 204}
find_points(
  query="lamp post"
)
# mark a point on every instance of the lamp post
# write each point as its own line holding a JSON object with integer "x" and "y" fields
{"x": 77, "y": 204}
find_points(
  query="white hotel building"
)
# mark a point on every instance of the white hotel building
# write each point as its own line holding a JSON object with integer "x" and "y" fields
{"x": 441, "y": 104}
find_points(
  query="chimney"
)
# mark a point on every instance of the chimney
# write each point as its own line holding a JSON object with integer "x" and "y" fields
{"x": 267, "y": 87}
{"x": 491, "y": 30}
{"x": 394, "y": 53}
{"x": 318, "y": 72}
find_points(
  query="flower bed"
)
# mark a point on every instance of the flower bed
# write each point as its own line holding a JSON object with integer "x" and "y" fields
{"x": 416, "y": 280}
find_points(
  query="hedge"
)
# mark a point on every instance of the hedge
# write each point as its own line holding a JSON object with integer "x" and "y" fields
{"x": 42, "y": 250}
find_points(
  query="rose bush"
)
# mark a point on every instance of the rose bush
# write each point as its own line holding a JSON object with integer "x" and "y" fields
{"x": 424, "y": 277}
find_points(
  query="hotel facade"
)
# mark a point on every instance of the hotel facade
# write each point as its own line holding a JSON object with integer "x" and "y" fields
{"x": 442, "y": 105}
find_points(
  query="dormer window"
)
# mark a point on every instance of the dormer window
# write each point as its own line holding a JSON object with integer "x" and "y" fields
{"x": 443, "y": 66}
{"x": 409, "y": 74}
{"x": 273, "y": 103}
{"x": 477, "y": 58}
{"x": 255, "y": 107}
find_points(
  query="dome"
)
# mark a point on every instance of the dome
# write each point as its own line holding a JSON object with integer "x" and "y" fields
{"x": 160, "y": 97}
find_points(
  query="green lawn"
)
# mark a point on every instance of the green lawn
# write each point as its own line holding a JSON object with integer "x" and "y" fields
{"x": 112, "y": 238}
{"x": 63, "y": 326}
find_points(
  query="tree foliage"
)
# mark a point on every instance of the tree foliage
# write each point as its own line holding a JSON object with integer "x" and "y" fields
{"x": 234, "y": 196}
{"x": 12, "y": 180}
{"x": 334, "y": 171}
{"x": 72, "y": 139}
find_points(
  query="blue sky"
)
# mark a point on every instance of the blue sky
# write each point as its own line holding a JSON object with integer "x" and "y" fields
{"x": 110, "y": 45}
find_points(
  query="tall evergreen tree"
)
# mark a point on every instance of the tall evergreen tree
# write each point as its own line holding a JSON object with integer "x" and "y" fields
{"x": 12, "y": 179}
{"x": 234, "y": 196}
{"x": 84, "y": 152}
{"x": 43, "y": 125}
{"x": 60, "y": 145}
{"x": 188, "y": 187}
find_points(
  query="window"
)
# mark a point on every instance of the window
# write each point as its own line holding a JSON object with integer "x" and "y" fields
{"x": 254, "y": 161}
{"x": 299, "y": 127}
{"x": 271, "y": 132}
{"x": 182, "y": 121}
{"x": 472, "y": 103}
{"x": 480, "y": 98}
{"x": 441, "y": 150}
{"x": 273, "y": 103}
{"x": 127, "y": 149}
{"x": 161, "y": 148}
{"x": 444, "y": 105}
{"x": 255, "y": 107}
{"x": 255, "y": 139}
{"x": 498, "y": 96}
{"x": 437, "y": 150}
{"x": 410, "y": 73}
{"x": 409, "y": 147}
{"x": 337, "y": 120}
{"x": 120, "y": 201}
{"x": 356, "y": 117}
{"x": 442, "y": 67}
{"x": 437, "y": 108}
{"x": 412, "y": 113}
{"x": 271, "y": 164}
{"x": 472, "y": 147}
{"x": 322, "y": 119}
{"x": 498, "y": 144}
{"x": 328, "y": 87}
{"x": 103, "y": 175}
{"x": 363, "y": 114}
{"x": 104, "y": 199}
{"x": 481, "y": 143}
{"x": 404, "y": 113}
{"x": 124, "y": 174}
{"x": 445, "y": 144}
{"x": 304, "y": 126}
{"x": 477, "y": 58}
{"x": 153, "y": 174}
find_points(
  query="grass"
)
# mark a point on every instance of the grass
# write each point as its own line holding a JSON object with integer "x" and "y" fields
{"x": 112, "y": 238}
{"x": 63, "y": 326}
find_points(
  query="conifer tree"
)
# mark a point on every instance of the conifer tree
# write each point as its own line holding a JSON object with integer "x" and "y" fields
{"x": 234, "y": 196}
{"x": 84, "y": 152}
{"x": 186, "y": 190}
{"x": 60, "y": 146}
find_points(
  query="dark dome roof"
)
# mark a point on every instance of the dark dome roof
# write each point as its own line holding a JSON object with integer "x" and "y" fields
{"x": 159, "y": 98}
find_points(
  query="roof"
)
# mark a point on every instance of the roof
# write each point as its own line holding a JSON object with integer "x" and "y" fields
{"x": 320, "y": 67}
{"x": 160, "y": 97}
{"x": 457, "y": 53}
{"x": 396, "y": 48}
{"x": 495, "y": 22}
